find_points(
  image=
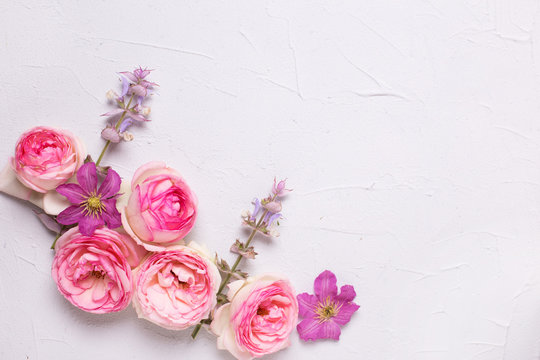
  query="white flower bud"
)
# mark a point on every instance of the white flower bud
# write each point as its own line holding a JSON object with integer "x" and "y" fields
{"x": 111, "y": 95}
{"x": 274, "y": 232}
{"x": 127, "y": 136}
{"x": 145, "y": 111}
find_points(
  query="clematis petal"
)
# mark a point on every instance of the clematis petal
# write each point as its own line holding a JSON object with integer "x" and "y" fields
{"x": 111, "y": 185}
{"x": 111, "y": 216}
{"x": 330, "y": 330}
{"x": 89, "y": 224}
{"x": 309, "y": 329}
{"x": 345, "y": 313}
{"x": 306, "y": 304}
{"x": 87, "y": 177}
{"x": 73, "y": 192}
{"x": 346, "y": 294}
{"x": 325, "y": 285}
{"x": 71, "y": 215}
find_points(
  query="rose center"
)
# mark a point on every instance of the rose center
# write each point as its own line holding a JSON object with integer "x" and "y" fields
{"x": 100, "y": 274}
{"x": 262, "y": 311}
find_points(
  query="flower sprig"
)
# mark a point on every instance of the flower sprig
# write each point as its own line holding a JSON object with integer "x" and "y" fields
{"x": 265, "y": 214}
{"x": 135, "y": 89}
{"x": 92, "y": 207}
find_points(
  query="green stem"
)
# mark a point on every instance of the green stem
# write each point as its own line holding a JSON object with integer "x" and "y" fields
{"x": 225, "y": 281}
{"x": 118, "y": 123}
{"x": 240, "y": 257}
{"x": 117, "y": 127}
{"x": 58, "y": 236}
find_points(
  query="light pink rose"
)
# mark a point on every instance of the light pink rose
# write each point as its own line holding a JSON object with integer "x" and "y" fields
{"x": 261, "y": 315}
{"x": 94, "y": 272}
{"x": 176, "y": 288}
{"x": 161, "y": 209}
{"x": 46, "y": 157}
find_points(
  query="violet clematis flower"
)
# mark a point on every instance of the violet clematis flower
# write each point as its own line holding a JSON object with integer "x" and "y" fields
{"x": 92, "y": 207}
{"x": 325, "y": 311}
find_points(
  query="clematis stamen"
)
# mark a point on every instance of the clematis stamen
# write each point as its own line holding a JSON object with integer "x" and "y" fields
{"x": 327, "y": 309}
{"x": 93, "y": 205}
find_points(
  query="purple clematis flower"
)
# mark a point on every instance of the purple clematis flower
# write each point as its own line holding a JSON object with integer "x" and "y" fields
{"x": 92, "y": 207}
{"x": 325, "y": 311}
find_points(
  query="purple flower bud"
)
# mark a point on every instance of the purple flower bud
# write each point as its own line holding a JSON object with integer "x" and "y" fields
{"x": 273, "y": 218}
{"x": 273, "y": 207}
{"x": 256, "y": 210}
{"x": 279, "y": 188}
{"x": 125, "y": 124}
{"x": 110, "y": 134}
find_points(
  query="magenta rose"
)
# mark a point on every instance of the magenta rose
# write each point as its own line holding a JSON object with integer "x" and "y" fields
{"x": 94, "y": 272}
{"x": 161, "y": 209}
{"x": 46, "y": 157}
{"x": 261, "y": 315}
{"x": 176, "y": 288}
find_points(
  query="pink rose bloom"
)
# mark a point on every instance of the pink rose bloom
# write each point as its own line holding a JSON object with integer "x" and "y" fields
{"x": 261, "y": 315}
{"x": 94, "y": 272}
{"x": 176, "y": 288}
{"x": 161, "y": 209}
{"x": 47, "y": 157}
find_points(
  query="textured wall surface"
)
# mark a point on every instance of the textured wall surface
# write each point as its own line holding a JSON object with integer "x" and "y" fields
{"x": 409, "y": 130}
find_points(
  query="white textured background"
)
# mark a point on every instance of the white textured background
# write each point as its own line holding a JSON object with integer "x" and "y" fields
{"x": 410, "y": 131}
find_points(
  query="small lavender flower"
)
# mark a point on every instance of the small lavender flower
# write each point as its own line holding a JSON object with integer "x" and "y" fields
{"x": 325, "y": 311}
{"x": 279, "y": 188}
{"x": 134, "y": 87}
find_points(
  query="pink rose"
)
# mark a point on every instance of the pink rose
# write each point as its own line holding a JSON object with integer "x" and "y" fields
{"x": 94, "y": 272}
{"x": 176, "y": 288}
{"x": 261, "y": 315}
{"x": 161, "y": 209}
{"x": 47, "y": 157}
